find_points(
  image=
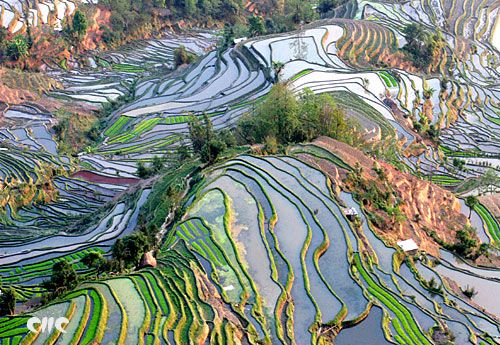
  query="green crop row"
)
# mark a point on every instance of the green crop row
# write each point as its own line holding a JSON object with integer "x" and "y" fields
{"x": 117, "y": 126}
{"x": 489, "y": 220}
{"x": 95, "y": 317}
{"x": 389, "y": 80}
{"x": 10, "y": 326}
{"x": 301, "y": 74}
{"x": 138, "y": 129}
{"x": 404, "y": 324}
{"x": 122, "y": 67}
{"x": 158, "y": 291}
{"x": 445, "y": 180}
{"x": 467, "y": 154}
{"x": 23, "y": 273}
{"x": 172, "y": 120}
{"x": 320, "y": 152}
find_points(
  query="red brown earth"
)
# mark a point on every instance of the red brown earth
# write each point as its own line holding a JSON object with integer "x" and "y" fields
{"x": 97, "y": 178}
{"x": 424, "y": 205}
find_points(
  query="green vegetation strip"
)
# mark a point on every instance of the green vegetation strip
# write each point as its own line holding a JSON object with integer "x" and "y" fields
{"x": 301, "y": 74}
{"x": 405, "y": 325}
{"x": 117, "y": 126}
{"x": 467, "y": 153}
{"x": 389, "y": 80}
{"x": 445, "y": 180}
{"x": 122, "y": 67}
{"x": 490, "y": 222}
{"x": 140, "y": 128}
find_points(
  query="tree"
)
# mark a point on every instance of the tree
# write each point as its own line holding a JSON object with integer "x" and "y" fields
{"x": 489, "y": 180}
{"x": 419, "y": 44}
{"x": 7, "y": 301}
{"x": 94, "y": 260}
{"x": 472, "y": 202}
{"x": 129, "y": 249}
{"x": 157, "y": 165}
{"x": 299, "y": 11}
{"x": 182, "y": 56}
{"x": 271, "y": 144}
{"x": 458, "y": 163}
{"x": 278, "y": 68}
{"x": 278, "y": 115}
{"x": 183, "y": 153}
{"x": 256, "y": 26}
{"x": 321, "y": 116}
{"x": 79, "y": 24}
{"x": 228, "y": 36}
{"x": 200, "y": 132}
{"x": 142, "y": 170}
{"x": 211, "y": 150}
{"x": 469, "y": 291}
{"x": 17, "y": 48}
{"x": 325, "y": 6}
{"x": 466, "y": 242}
{"x": 75, "y": 31}
{"x": 64, "y": 278}
{"x": 414, "y": 32}
{"x": 190, "y": 7}
{"x": 285, "y": 119}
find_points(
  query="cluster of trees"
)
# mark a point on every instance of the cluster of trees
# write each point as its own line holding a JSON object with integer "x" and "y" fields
{"x": 74, "y": 31}
{"x": 126, "y": 254}
{"x": 280, "y": 18}
{"x": 466, "y": 243}
{"x": 129, "y": 18}
{"x": 420, "y": 45}
{"x": 430, "y": 130}
{"x": 283, "y": 118}
{"x": 293, "y": 14}
{"x": 325, "y": 7}
{"x": 377, "y": 196}
{"x": 64, "y": 278}
{"x": 18, "y": 47}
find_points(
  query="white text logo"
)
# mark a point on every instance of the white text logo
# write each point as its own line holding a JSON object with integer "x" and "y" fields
{"x": 47, "y": 324}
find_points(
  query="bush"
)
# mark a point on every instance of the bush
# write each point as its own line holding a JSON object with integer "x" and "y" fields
{"x": 211, "y": 150}
{"x": 469, "y": 291}
{"x": 182, "y": 56}
{"x": 17, "y": 48}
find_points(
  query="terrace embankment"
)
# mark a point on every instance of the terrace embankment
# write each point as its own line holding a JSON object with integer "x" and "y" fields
{"x": 423, "y": 206}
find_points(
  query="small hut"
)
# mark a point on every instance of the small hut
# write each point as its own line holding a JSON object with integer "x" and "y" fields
{"x": 350, "y": 213}
{"x": 409, "y": 246}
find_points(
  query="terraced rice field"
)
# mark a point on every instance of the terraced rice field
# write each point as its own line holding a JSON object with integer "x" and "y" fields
{"x": 13, "y": 16}
{"x": 262, "y": 252}
{"x": 266, "y": 236}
